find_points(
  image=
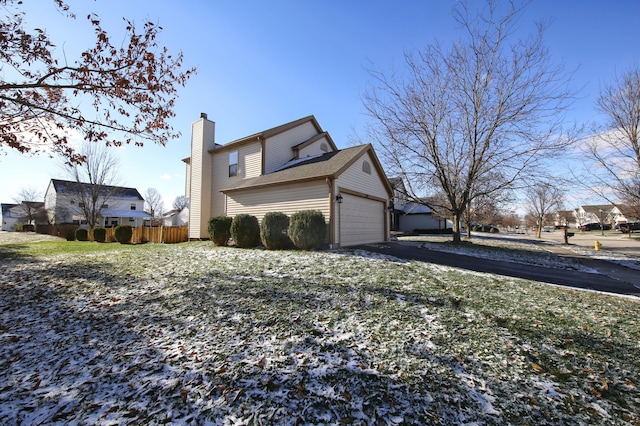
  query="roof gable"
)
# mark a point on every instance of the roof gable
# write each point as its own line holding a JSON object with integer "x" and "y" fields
{"x": 265, "y": 134}
{"x": 329, "y": 165}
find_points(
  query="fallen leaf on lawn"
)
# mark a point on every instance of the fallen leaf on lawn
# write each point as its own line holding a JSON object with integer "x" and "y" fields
{"x": 536, "y": 367}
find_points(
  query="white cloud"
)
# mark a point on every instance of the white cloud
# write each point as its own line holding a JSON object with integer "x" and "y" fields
{"x": 165, "y": 176}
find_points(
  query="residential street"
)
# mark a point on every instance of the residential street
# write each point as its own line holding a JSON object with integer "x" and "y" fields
{"x": 612, "y": 278}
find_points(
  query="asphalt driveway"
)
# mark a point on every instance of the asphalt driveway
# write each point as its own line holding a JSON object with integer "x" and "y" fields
{"x": 612, "y": 278}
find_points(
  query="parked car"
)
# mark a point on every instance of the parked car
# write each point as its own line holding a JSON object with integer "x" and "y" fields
{"x": 625, "y": 227}
{"x": 593, "y": 227}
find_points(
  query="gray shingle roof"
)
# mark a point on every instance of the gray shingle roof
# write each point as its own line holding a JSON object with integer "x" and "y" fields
{"x": 72, "y": 187}
{"x": 330, "y": 164}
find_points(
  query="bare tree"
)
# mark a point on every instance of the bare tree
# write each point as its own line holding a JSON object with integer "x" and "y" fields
{"x": 130, "y": 89}
{"x": 180, "y": 202}
{"x": 544, "y": 200}
{"x": 153, "y": 203}
{"x": 616, "y": 149}
{"x": 94, "y": 180}
{"x": 473, "y": 119}
{"x": 31, "y": 205}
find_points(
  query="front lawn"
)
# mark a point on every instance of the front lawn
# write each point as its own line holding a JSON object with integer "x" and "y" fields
{"x": 195, "y": 334}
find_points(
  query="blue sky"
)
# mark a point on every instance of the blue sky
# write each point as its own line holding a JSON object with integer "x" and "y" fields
{"x": 264, "y": 63}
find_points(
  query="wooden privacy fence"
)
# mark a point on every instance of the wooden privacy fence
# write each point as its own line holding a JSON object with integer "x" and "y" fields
{"x": 158, "y": 234}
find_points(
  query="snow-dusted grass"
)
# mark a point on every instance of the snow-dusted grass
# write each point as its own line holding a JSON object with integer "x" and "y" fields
{"x": 194, "y": 334}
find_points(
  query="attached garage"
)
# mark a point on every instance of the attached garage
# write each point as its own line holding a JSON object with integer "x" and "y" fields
{"x": 362, "y": 220}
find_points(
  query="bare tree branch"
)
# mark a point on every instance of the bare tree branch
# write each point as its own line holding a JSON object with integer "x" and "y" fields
{"x": 473, "y": 119}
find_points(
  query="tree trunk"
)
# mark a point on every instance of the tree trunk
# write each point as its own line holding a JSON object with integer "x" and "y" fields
{"x": 456, "y": 229}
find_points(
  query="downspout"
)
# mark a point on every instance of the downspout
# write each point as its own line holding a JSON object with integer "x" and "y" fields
{"x": 332, "y": 218}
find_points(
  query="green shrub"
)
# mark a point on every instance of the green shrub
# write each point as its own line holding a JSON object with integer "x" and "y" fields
{"x": 99, "y": 235}
{"x": 68, "y": 232}
{"x": 273, "y": 231}
{"x": 245, "y": 231}
{"x": 123, "y": 233}
{"x": 82, "y": 234}
{"x": 220, "y": 230}
{"x": 25, "y": 227}
{"x": 307, "y": 229}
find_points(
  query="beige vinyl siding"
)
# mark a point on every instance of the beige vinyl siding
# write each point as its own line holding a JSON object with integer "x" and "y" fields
{"x": 287, "y": 199}
{"x": 278, "y": 149}
{"x": 250, "y": 160}
{"x": 249, "y": 165}
{"x": 187, "y": 185}
{"x": 314, "y": 148}
{"x": 202, "y": 139}
{"x": 356, "y": 180}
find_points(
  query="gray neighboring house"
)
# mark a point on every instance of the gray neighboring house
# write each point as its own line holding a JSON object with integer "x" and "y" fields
{"x": 407, "y": 216}
{"x": 418, "y": 216}
{"x": 14, "y": 214}
{"x": 11, "y": 215}
{"x": 118, "y": 205}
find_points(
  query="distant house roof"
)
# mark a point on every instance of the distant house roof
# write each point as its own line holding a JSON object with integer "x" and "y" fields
{"x": 330, "y": 164}
{"x": 595, "y": 209}
{"x": 629, "y": 212}
{"x": 6, "y": 209}
{"x": 71, "y": 187}
{"x": 416, "y": 208}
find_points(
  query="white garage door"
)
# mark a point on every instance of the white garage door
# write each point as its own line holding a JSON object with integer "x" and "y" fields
{"x": 361, "y": 220}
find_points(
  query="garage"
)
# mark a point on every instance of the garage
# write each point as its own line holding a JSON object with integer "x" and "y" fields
{"x": 362, "y": 220}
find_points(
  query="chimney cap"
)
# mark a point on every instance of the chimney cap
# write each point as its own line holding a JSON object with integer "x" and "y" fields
{"x": 203, "y": 115}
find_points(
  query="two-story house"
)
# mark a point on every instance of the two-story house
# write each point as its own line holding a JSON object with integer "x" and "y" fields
{"x": 117, "y": 205}
{"x": 292, "y": 167}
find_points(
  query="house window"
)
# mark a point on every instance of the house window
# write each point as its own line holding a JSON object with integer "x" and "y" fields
{"x": 133, "y": 206}
{"x": 233, "y": 163}
{"x": 105, "y": 206}
{"x": 366, "y": 167}
{"x": 81, "y": 205}
{"x": 131, "y": 219}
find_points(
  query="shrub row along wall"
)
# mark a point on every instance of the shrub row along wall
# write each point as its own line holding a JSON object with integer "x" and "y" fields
{"x": 305, "y": 229}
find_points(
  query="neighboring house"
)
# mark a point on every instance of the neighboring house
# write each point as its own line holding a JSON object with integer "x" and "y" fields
{"x": 418, "y": 216}
{"x": 292, "y": 167}
{"x": 11, "y": 215}
{"x": 176, "y": 217}
{"x": 625, "y": 214}
{"x": 593, "y": 214}
{"x": 565, "y": 218}
{"x": 118, "y": 205}
{"x": 27, "y": 212}
{"x": 408, "y": 216}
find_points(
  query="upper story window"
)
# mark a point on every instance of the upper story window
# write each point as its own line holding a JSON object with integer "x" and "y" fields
{"x": 133, "y": 206}
{"x": 366, "y": 167}
{"x": 233, "y": 163}
{"x": 105, "y": 206}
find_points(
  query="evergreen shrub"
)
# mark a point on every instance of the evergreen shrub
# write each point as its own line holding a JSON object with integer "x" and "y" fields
{"x": 273, "y": 231}
{"x": 245, "y": 231}
{"x": 307, "y": 229}
{"x": 219, "y": 228}
{"x": 123, "y": 233}
{"x": 82, "y": 234}
{"x": 100, "y": 235}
